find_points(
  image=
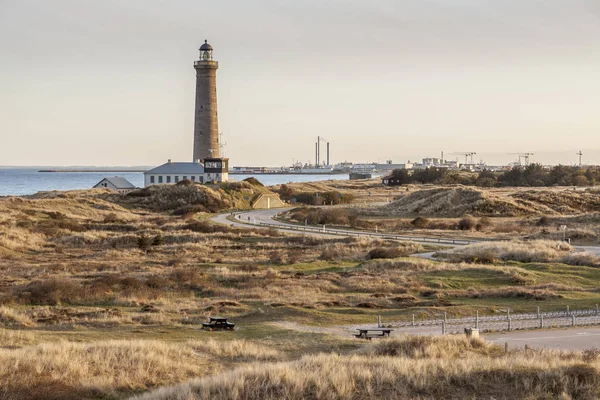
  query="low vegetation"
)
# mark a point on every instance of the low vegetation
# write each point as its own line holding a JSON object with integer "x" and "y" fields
{"x": 532, "y": 251}
{"x": 533, "y": 175}
{"x": 103, "y": 296}
{"x": 422, "y": 367}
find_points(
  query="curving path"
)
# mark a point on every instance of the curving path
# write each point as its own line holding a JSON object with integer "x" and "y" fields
{"x": 265, "y": 218}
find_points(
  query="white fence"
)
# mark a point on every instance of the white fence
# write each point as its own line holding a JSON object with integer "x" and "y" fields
{"x": 507, "y": 322}
{"x": 329, "y": 231}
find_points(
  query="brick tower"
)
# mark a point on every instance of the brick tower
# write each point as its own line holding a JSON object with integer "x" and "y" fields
{"x": 206, "y": 123}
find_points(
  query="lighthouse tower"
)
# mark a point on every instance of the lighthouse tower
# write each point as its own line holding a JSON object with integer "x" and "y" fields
{"x": 206, "y": 123}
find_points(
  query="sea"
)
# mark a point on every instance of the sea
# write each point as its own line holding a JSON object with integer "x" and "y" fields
{"x": 27, "y": 181}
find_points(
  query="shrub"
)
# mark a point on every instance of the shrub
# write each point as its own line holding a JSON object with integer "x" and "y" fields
{"x": 205, "y": 227}
{"x": 543, "y": 221}
{"x": 144, "y": 242}
{"x": 275, "y": 257}
{"x": 112, "y": 218}
{"x": 386, "y": 252}
{"x": 158, "y": 240}
{"x": 467, "y": 223}
{"x": 52, "y": 292}
{"x": 253, "y": 181}
{"x": 483, "y": 223}
{"x": 420, "y": 222}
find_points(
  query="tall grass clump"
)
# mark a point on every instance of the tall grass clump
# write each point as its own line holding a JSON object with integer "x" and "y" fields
{"x": 423, "y": 368}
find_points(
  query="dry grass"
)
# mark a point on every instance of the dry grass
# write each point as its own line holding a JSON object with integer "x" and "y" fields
{"x": 70, "y": 267}
{"x": 539, "y": 250}
{"x": 424, "y": 368}
{"x": 80, "y": 370}
{"x": 458, "y": 201}
{"x": 13, "y": 318}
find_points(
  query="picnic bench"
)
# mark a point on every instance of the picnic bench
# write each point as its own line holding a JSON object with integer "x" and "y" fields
{"x": 218, "y": 323}
{"x": 363, "y": 333}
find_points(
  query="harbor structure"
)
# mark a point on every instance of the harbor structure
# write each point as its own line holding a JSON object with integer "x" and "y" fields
{"x": 206, "y": 119}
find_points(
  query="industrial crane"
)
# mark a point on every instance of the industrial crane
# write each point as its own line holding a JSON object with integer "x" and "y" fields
{"x": 524, "y": 156}
{"x": 467, "y": 155}
{"x": 580, "y": 153}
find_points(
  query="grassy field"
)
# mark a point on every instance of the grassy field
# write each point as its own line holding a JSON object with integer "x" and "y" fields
{"x": 102, "y": 297}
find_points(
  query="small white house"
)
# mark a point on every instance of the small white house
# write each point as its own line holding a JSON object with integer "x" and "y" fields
{"x": 116, "y": 183}
{"x": 213, "y": 170}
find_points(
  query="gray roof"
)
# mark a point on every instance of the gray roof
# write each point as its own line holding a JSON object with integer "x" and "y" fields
{"x": 206, "y": 46}
{"x": 119, "y": 182}
{"x": 189, "y": 168}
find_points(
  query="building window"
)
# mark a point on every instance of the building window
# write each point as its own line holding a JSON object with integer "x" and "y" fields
{"x": 160, "y": 179}
{"x": 184, "y": 178}
{"x": 176, "y": 179}
{"x": 201, "y": 179}
{"x": 213, "y": 164}
{"x": 151, "y": 178}
{"x": 168, "y": 179}
{"x": 193, "y": 178}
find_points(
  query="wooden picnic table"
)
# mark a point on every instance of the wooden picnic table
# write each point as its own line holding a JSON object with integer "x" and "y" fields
{"x": 363, "y": 333}
{"x": 218, "y": 323}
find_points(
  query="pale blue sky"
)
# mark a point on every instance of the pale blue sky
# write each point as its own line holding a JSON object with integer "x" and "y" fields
{"x": 111, "y": 82}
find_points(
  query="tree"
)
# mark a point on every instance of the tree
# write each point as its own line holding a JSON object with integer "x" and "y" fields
{"x": 400, "y": 177}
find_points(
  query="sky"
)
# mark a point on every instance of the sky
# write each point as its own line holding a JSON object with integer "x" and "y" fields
{"x": 111, "y": 82}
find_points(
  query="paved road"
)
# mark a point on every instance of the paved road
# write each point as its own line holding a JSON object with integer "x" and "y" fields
{"x": 265, "y": 217}
{"x": 257, "y": 217}
{"x": 567, "y": 338}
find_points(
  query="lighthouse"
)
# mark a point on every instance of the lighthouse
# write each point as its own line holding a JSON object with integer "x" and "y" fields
{"x": 206, "y": 122}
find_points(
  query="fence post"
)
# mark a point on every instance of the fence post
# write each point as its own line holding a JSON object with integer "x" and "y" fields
{"x": 573, "y": 320}
{"x": 568, "y": 312}
{"x": 379, "y": 321}
{"x": 506, "y": 347}
{"x": 508, "y": 314}
{"x": 443, "y": 327}
{"x": 477, "y": 319}
{"x": 596, "y": 309}
{"x": 542, "y": 321}
{"x": 509, "y": 324}
{"x": 538, "y": 312}
{"x": 445, "y": 317}
{"x": 413, "y": 322}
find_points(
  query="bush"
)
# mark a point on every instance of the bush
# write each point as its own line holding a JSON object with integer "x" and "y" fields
{"x": 112, "y": 218}
{"x": 52, "y": 292}
{"x": 205, "y": 227}
{"x": 144, "y": 242}
{"x": 484, "y": 223}
{"x": 158, "y": 240}
{"x": 386, "y": 252}
{"x": 253, "y": 181}
{"x": 543, "y": 221}
{"x": 420, "y": 222}
{"x": 467, "y": 223}
{"x": 275, "y": 257}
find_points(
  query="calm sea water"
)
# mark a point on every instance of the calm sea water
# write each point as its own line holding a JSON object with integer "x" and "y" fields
{"x": 24, "y": 181}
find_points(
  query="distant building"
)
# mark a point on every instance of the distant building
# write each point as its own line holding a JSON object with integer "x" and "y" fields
{"x": 389, "y": 180}
{"x": 116, "y": 183}
{"x": 360, "y": 175}
{"x": 213, "y": 170}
